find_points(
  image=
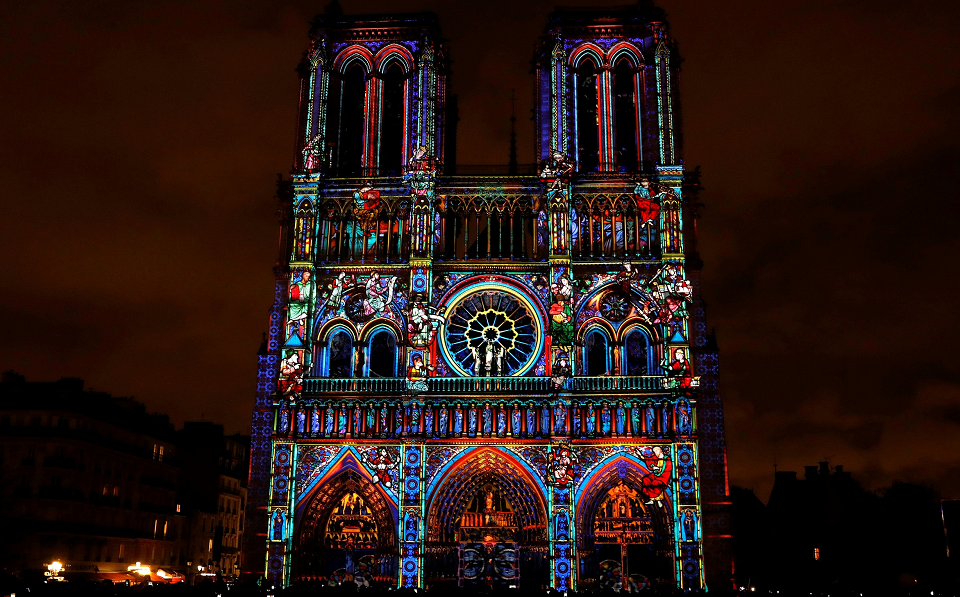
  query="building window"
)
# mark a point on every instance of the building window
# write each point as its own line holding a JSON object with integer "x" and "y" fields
{"x": 160, "y": 455}
{"x": 637, "y": 354}
{"x": 626, "y": 114}
{"x": 341, "y": 355}
{"x": 178, "y": 508}
{"x": 588, "y": 132}
{"x": 348, "y": 141}
{"x": 383, "y": 355}
{"x": 816, "y": 553}
{"x": 210, "y": 545}
{"x": 391, "y": 122}
{"x": 596, "y": 354}
{"x": 116, "y": 491}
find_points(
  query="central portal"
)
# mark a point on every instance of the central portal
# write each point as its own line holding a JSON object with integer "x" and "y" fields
{"x": 487, "y": 525}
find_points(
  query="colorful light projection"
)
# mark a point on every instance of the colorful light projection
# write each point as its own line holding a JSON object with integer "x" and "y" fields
{"x": 482, "y": 380}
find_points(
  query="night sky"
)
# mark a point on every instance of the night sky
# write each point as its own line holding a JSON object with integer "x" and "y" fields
{"x": 140, "y": 141}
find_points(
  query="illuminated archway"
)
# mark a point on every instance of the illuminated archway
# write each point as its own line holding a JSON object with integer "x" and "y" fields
{"x": 320, "y": 549}
{"x": 487, "y": 496}
{"x": 624, "y": 515}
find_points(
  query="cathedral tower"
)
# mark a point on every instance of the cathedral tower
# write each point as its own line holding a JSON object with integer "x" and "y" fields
{"x": 489, "y": 378}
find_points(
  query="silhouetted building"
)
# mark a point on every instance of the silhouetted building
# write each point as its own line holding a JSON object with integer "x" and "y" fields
{"x": 213, "y": 493}
{"x": 825, "y": 532}
{"x": 97, "y": 483}
{"x": 85, "y": 478}
{"x": 751, "y": 538}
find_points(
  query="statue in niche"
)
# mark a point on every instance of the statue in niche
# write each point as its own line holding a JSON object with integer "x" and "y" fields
{"x": 417, "y": 375}
{"x": 688, "y": 525}
{"x": 313, "y": 153}
{"x": 442, "y": 422}
{"x": 561, "y": 371}
{"x": 302, "y": 296}
{"x": 458, "y": 421}
{"x": 683, "y": 418}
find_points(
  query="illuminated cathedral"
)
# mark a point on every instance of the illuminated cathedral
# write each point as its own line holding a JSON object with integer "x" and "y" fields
{"x": 500, "y": 378}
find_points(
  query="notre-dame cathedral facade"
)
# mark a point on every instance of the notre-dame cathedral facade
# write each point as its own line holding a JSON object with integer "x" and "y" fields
{"x": 499, "y": 377}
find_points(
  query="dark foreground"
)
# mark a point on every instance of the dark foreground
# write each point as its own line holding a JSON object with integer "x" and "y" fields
{"x": 67, "y": 589}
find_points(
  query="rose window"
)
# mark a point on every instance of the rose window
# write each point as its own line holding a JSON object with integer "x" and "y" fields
{"x": 492, "y": 333}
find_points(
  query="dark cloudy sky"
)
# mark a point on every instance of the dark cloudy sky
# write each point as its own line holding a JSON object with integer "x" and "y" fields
{"x": 139, "y": 143}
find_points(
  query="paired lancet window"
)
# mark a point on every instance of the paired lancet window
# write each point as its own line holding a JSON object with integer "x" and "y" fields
{"x": 341, "y": 357}
{"x": 368, "y": 111}
{"x": 607, "y": 103}
{"x": 635, "y": 358}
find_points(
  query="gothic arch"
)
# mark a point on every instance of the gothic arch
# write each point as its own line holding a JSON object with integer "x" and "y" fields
{"x": 625, "y": 49}
{"x": 625, "y": 467}
{"x": 578, "y": 54}
{"x": 636, "y": 324}
{"x": 353, "y": 54}
{"x": 322, "y": 354}
{"x": 375, "y": 325}
{"x": 466, "y": 476}
{"x": 393, "y": 52}
{"x": 310, "y": 550}
{"x": 651, "y": 341}
{"x": 330, "y": 328}
{"x": 597, "y": 323}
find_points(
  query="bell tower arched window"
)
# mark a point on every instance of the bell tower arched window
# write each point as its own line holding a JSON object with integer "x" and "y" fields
{"x": 349, "y": 127}
{"x": 340, "y": 352}
{"x": 595, "y": 354}
{"x": 588, "y": 132}
{"x": 391, "y": 121}
{"x": 625, "y": 116}
{"x": 383, "y": 355}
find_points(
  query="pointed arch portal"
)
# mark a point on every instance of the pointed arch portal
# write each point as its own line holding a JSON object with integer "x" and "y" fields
{"x": 347, "y": 527}
{"x": 625, "y": 525}
{"x": 487, "y": 524}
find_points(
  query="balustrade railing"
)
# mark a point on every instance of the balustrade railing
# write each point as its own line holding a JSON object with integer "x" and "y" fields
{"x": 617, "y": 382}
{"x": 488, "y": 384}
{"x": 349, "y": 385}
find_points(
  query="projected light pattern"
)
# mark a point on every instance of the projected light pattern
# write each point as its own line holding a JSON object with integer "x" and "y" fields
{"x": 488, "y": 379}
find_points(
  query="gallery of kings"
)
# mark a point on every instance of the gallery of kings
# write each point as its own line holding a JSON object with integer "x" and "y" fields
{"x": 499, "y": 376}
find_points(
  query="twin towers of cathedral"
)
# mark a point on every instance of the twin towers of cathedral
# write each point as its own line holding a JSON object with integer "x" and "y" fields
{"x": 488, "y": 377}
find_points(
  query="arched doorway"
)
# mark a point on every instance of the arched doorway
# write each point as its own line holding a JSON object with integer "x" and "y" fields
{"x": 486, "y": 525}
{"x": 624, "y": 525}
{"x": 347, "y": 531}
